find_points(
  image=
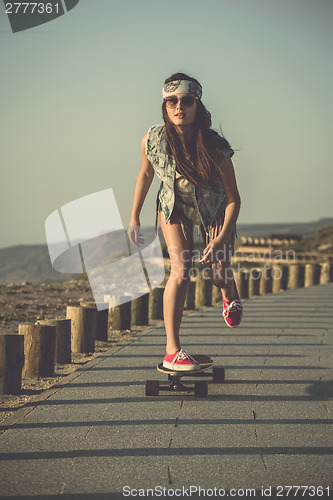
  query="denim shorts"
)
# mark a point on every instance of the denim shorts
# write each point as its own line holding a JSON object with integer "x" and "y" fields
{"x": 187, "y": 226}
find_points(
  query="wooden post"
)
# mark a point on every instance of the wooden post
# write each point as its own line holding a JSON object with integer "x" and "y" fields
{"x": 326, "y": 274}
{"x": 296, "y": 276}
{"x": 83, "y": 328}
{"x": 190, "y": 296}
{"x": 139, "y": 313}
{"x": 156, "y": 303}
{"x": 216, "y": 295}
{"x": 102, "y": 319}
{"x": 119, "y": 312}
{"x": 254, "y": 282}
{"x": 63, "y": 339}
{"x": 242, "y": 283}
{"x": 280, "y": 278}
{"x": 11, "y": 363}
{"x": 312, "y": 274}
{"x": 203, "y": 292}
{"x": 266, "y": 281}
{"x": 39, "y": 349}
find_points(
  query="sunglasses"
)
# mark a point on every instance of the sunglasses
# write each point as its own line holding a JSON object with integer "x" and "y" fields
{"x": 187, "y": 101}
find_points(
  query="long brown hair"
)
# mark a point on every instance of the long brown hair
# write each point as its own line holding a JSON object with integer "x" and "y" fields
{"x": 206, "y": 144}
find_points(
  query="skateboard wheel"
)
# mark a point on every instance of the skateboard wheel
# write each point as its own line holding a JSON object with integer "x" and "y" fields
{"x": 201, "y": 389}
{"x": 218, "y": 374}
{"x": 152, "y": 387}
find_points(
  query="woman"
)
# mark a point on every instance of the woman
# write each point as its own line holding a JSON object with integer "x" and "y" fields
{"x": 198, "y": 188}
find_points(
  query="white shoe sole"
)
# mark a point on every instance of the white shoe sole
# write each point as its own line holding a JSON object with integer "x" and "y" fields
{"x": 179, "y": 368}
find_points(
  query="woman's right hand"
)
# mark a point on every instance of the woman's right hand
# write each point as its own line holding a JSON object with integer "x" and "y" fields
{"x": 134, "y": 233}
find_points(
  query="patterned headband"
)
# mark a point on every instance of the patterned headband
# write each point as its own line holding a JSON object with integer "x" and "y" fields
{"x": 181, "y": 87}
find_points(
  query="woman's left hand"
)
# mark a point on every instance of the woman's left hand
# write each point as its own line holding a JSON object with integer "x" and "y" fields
{"x": 214, "y": 252}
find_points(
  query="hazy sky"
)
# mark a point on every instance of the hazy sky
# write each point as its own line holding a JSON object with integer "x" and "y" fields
{"x": 79, "y": 93}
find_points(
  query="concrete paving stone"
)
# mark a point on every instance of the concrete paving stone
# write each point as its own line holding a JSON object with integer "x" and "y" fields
{"x": 317, "y": 436}
{"x": 247, "y": 470}
{"x": 289, "y": 375}
{"x": 77, "y": 425}
{"x": 117, "y": 438}
{"x": 238, "y": 470}
{"x": 238, "y": 374}
{"x": 124, "y": 361}
{"x": 42, "y": 439}
{"x": 132, "y": 350}
{"x": 55, "y": 415}
{"x": 33, "y": 476}
{"x": 87, "y": 392}
{"x": 151, "y": 408}
{"x": 300, "y": 391}
{"x": 210, "y": 411}
{"x": 218, "y": 438}
{"x": 33, "y": 489}
{"x": 95, "y": 389}
{"x": 63, "y": 414}
{"x": 112, "y": 474}
{"x": 325, "y": 357}
{"x": 244, "y": 354}
{"x": 299, "y": 469}
{"x": 115, "y": 374}
{"x": 76, "y": 408}
{"x": 225, "y": 394}
{"x": 239, "y": 363}
{"x": 307, "y": 367}
{"x": 290, "y": 410}
{"x": 317, "y": 389}
{"x": 294, "y": 372}
{"x": 328, "y": 405}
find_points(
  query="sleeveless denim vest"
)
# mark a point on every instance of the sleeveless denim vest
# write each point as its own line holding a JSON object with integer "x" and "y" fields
{"x": 207, "y": 202}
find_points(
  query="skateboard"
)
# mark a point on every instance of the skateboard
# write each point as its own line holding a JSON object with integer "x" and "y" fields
{"x": 200, "y": 387}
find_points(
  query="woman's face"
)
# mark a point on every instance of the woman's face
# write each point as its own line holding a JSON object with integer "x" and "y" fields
{"x": 182, "y": 115}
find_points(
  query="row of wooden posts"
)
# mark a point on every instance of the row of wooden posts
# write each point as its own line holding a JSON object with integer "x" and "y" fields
{"x": 34, "y": 351}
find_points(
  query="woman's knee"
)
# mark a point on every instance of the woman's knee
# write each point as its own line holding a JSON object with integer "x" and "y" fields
{"x": 181, "y": 258}
{"x": 180, "y": 263}
{"x": 180, "y": 274}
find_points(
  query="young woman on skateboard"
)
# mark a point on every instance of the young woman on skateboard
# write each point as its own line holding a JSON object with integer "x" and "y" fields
{"x": 198, "y": 187}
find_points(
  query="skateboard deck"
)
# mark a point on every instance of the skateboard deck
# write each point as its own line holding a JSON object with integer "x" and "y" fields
{"x": 200, "y": 387}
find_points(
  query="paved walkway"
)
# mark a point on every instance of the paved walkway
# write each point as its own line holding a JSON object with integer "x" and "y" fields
{"x": 269, "y": 425}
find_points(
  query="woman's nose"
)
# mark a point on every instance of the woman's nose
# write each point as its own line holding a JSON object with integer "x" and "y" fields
{"x": 179, "y": 104}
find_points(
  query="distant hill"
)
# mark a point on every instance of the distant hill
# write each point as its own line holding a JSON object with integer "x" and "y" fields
{"x": 288, "y": 229}
{"x": 32, "y": 262}
{"x": 321, "y": 241}
{"x": 29, "y": 263}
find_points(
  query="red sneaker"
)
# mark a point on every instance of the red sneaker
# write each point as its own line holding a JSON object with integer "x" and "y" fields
{"x": 180, "y": 361}
{"x": 232, "y": 310}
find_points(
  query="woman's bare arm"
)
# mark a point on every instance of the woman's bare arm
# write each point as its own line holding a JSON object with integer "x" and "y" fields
{"x": 142, "y": 186}
{"x": 228, "y": 178}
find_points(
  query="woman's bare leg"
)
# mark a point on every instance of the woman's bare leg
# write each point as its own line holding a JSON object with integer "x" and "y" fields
{"x": 223, "y": 277}
{"x": 180, "y": 253}
{"x": 221, "y": 273}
